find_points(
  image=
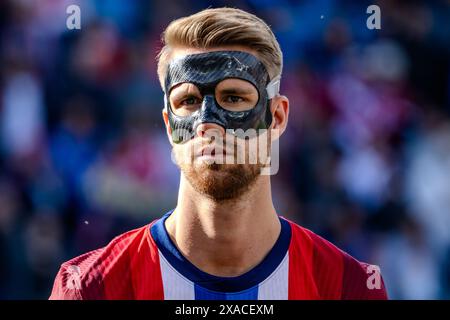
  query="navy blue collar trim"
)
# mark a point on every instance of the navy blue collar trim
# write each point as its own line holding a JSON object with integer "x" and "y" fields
{"x": 215, "y": 283}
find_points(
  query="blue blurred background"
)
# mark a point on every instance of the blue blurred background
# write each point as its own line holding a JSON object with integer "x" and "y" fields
{"x": 365, "y": 161}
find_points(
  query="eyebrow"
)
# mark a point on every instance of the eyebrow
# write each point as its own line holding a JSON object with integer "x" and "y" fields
{"x": 236, "y": 91}
{"x": 180, "y": 91}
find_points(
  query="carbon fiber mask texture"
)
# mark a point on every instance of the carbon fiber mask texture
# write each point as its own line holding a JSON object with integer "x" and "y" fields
{"x": 206, "y": 70}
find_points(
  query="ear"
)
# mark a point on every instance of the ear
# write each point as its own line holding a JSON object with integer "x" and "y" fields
{"x": 279, "y": 108}
{"x": 166, "y": 122}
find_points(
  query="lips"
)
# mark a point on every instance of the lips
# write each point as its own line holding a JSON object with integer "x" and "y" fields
{"x": 212, "y": 151}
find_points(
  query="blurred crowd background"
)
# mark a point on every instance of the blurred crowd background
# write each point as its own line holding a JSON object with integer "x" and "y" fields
{"x": 365, "y": 161}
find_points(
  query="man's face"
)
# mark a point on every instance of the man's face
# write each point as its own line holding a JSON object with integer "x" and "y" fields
{"x": 218, "y": 162}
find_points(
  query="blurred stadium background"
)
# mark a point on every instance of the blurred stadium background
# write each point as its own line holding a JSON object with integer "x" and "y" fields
{"x": 365, "y": 161}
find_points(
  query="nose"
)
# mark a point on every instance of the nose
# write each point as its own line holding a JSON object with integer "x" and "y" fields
{"x": 206, "y": 129}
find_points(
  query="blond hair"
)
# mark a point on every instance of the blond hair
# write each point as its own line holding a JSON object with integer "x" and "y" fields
{"x": 212, "y": 28}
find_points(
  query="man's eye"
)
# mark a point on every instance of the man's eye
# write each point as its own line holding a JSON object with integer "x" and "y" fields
{"x": 190, "y": 101}
{"x": 233, "y": 99}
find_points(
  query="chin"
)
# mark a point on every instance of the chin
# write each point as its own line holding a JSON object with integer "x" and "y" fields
{"x": 221, "y": 182}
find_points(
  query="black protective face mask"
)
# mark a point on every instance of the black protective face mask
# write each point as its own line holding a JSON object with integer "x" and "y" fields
{"x": 205, "y": 71}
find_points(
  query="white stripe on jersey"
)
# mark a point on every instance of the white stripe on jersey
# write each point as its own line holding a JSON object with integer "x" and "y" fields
{"x": 275, "y": 287}
{"x": 176, "y": 287}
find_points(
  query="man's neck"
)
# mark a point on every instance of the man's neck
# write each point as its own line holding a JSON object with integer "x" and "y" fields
{"x": 226, "y": 238}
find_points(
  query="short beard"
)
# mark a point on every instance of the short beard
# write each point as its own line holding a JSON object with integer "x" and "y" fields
{"x": 221, "y": 182}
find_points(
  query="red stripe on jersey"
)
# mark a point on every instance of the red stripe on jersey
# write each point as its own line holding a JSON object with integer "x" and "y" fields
{"x": 301, "y": 285}
{"x": 328, "y": 268}
{"x": 356, "y": 278}
{"x": 320, "y": 270}
{"x": 127, "y": 268}
{"x": 147, "y": 279}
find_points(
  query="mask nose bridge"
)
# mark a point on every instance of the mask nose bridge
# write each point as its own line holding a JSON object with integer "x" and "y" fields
{"x": 207, "y": 90}
{"x": 209, "y": 112}
{"x": 208, "y": 103}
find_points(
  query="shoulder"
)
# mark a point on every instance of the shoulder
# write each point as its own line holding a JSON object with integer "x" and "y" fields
{"x": 336, "y": 274}
{"x": 101, "y": 273}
